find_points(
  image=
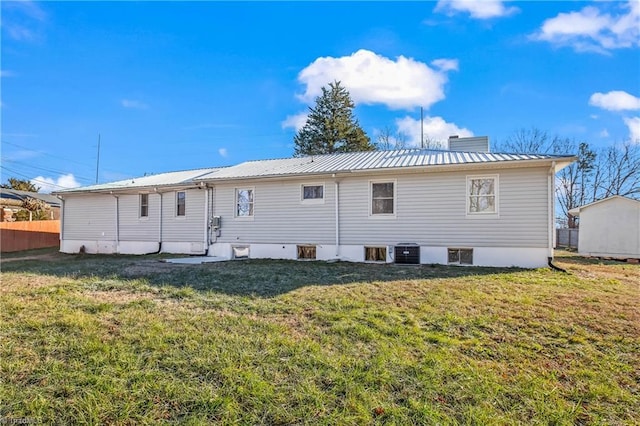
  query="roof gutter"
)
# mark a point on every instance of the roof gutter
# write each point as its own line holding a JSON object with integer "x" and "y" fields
{"x": 132, "y": 189}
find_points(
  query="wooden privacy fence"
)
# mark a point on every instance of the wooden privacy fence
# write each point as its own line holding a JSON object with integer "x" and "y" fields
{"x": 17, "y": 236}
{"x": 567, "y": 238}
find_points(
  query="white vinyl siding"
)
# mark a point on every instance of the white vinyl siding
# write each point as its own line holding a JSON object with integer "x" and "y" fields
{"x": 90, "y": 217}
{"x": 187, "y": 228}
{"x": 279, "y": 216}
{"x": 431, "y": 209}
{"x": 131, "y": 228}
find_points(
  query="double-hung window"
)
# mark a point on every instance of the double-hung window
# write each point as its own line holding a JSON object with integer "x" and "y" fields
{"x": 144, "y": 205}
{"x": 383, "y": 198}
{"x": 181, "y": 203}
{"x": 482, "y": 195}
{"x": 244, "y": 202}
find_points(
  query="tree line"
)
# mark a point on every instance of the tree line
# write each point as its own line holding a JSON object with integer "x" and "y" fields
{"x": 597, "y": 174}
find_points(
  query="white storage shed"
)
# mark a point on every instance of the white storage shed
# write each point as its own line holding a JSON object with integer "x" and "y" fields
{"x": 610, "y": 228}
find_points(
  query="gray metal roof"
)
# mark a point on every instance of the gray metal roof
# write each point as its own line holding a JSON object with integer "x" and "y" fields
{"x": 185, "y": 177}
{"x": 320, "y": 164}
{"x": 362, "y": 161}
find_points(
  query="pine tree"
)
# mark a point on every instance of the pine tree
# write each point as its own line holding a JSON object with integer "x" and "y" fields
{"x": 331, "y": 126}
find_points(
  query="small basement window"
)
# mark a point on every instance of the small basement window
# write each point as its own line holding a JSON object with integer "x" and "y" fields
{"x": 306, "y": 252}
{"x": 460, "y": 256}
{"x": 375, "y": 254}
{"x": 312, "y": 193}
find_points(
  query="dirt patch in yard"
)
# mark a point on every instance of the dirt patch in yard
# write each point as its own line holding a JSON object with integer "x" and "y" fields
{"x": 45, "y": 257}
{"x": 593, "y": 269}
{"x": 143, "y": 268}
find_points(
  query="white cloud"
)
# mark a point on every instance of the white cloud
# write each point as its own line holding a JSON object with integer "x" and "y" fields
{"x": 370, "y": 78}
{"x": 485, "y": 9}
{"x": 30, "y": 9}
{"x": 7, "y": 73}
{"x": 223, "y": 152}
{"x": 131, "y": 103}
{"x": 21, "y": 20}
{"x": 296, "y": 121}
{"x": 615, "y": 100}
{"x": 436, "y": 129}
{"x": 633, "y": 123}
{"x": 604, "y": 133}
{"x": 47, "y": 184}
{"x": 445, "y": 65}
{"x": 592, "y": 29}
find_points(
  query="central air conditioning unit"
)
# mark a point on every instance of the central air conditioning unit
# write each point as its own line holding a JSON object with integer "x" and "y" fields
{"x": 407, "y": 253}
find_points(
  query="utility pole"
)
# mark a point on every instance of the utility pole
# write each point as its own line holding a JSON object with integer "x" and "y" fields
{"x": 421, "y": 128}
{"x": 98, "y": 160}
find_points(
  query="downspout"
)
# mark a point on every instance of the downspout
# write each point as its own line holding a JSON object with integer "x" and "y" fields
{"x": 337, "y": 220}
{"x": 159, "y": 224}
{"x": 552, "y": 207}
{"x": 61, "y": 221}
{"x": 206, "y": 220}
{"x": 117, "y": 223}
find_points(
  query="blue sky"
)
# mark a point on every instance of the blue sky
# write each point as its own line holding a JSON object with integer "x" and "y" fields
{"x": 173, "y": 86}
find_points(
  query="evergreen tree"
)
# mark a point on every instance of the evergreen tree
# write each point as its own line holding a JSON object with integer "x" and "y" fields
{"x": 331, "y": 126}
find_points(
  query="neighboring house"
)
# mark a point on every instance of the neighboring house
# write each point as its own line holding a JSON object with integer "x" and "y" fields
{"x": 11, "y": 202}
{"x": 409, "y": 206}
{"x": 610, "y": 228}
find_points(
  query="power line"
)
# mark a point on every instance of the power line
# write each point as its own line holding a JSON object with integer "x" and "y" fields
{"x": 62, "y": 158}
{"x": 22, "y": 164}
{"x": 33, "y": 180}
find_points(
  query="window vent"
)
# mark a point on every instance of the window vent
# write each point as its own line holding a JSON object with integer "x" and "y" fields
{"x": 407, "y": 254}
{"x": 240, "y": 252}
{"x": 375, "y": 254}
{"x": 306, "y": 252}
{"x": 460, "y": 256}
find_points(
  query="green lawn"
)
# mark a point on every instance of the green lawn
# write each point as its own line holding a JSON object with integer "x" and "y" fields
{"x": 131, "y": 340}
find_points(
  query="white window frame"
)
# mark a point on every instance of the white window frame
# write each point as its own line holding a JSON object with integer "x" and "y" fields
{"x": 140, "y": 216}
{"x": 496, "y": 187}
{"x": 312, "y": 200}
{"x": 373, "y": 215}
{"x": 177, "y": 211}
{"x": 235, "y": 202}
